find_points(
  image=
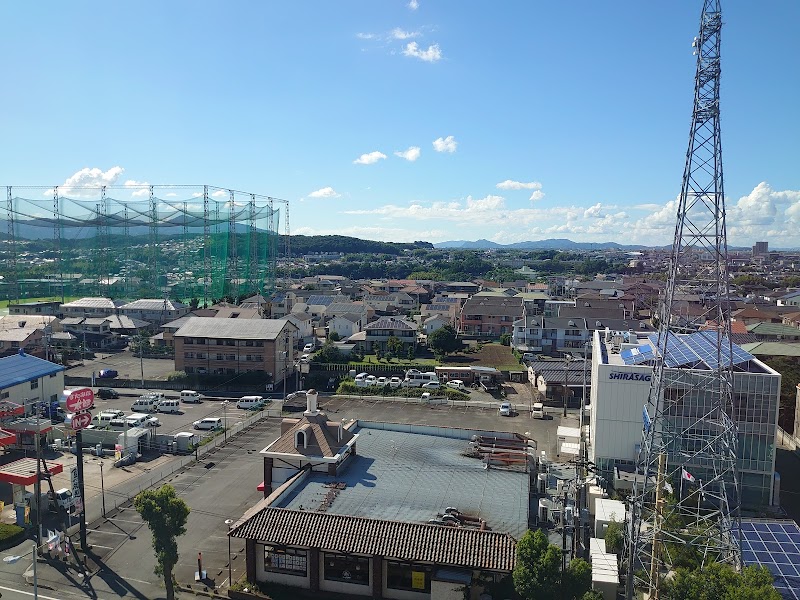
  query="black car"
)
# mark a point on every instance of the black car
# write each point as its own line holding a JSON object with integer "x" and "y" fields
{"x": 107, "y": 393}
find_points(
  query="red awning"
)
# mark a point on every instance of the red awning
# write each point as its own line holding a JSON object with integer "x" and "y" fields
{"x": 260, "y": 487}
{"x": 23, "y": 471}
{"x": 7, "y": 437}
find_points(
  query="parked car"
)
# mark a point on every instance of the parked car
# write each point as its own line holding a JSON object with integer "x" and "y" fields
{"x": 370, "y": 380}
{"x": 107, "y": 393}
{"x": 382, "y": 381}
{"x": 538, "y": 410}
{"x": 456, "y": 384}
{"x": 152, "y": 421}
{"x": 250, "y": 402}
{"x": 308, "y": 348}
{"x": 107, "y": 374}
{"x": 191, "y": 397}
{"x": 395, "y": 382}
{"x": 297, "y": 394}
{"x": 505, "y": 409}
{"x": 305, "y": 358}
{"x": 431, "y": 385}
{"x": 208, "y": 423}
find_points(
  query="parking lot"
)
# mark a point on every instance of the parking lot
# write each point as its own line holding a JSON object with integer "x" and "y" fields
{"x": 126, "y": 364}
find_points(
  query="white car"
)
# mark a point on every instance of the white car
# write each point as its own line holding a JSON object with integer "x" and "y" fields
{"x": 208, "y": 423}
{"x": 456, "y": 384}
{"x": 505, "y": 409}
{"x": 370, "y": 380}
{"x": 395, "y": 382}
{"x": 305, "y": 358}
{"x": 152, "y": 421}
{"x": 308, "y": 348}
{"x": 431, "y": 385}
{"x": 382, "y": 381}
{"x": 538, "y": 410}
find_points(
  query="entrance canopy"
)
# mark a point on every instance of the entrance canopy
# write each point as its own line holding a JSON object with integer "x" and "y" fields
{"x": 23, "y": 471}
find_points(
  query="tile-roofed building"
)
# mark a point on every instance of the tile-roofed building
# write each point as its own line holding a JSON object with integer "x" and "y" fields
{"x": 230, "y": 346}
{"x": 379, "y": 331}
{"x": 90, "y": 307}
{"x": 155, "y": 310}
{"x": 774, "y": 332}
{"x": 365, "y": 523}
{"x": 490, "y": 316}
{"x": 237, "y": 312}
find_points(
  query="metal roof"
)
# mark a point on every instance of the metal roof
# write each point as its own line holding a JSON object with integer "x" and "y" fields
{"x": 91, "y": 303}
{"x": 153, "y": 304}
{"x": 21, "y": 367}
{"x": 246, "y": 329}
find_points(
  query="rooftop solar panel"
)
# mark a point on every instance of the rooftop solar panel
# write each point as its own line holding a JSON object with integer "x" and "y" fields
{"x": 775, "y": 545}
{"x": 700, "y": 346}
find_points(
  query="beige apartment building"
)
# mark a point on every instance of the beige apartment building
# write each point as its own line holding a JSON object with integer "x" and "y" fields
{"x": 206, "y": 345}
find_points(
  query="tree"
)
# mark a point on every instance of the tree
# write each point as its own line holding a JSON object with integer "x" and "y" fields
{"x": 505, "y": 339}
{"x": 578, "y": 578}
{"x": 593, "y": 595}
{"x": 537, "y": 574}
{"x": 719, "y": 581}
{"x": 614, "y": 537}
{"x": 165, "y": 514}
{"x": 444, "y": 340}
{"x": 394, "y": 345}
{"x": 410, "y": 352}
{"x": 334, "y": 336}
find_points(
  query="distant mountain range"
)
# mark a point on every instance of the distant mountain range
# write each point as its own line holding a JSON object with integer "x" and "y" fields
{"x": 549, "y": 244}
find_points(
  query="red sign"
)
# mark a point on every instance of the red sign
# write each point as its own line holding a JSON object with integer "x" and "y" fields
{"x": 78, "y": 400}
{"x": 81, "y": 420}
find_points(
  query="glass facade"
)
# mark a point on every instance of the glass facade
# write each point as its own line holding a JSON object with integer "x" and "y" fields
{"x": 346, "y": 568}
{"x": 293, "y": 561}
{"x": 408, "y": 576}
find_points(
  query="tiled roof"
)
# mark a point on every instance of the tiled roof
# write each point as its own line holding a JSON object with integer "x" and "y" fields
{"x": 321, "y": 437}
{"x": 23, "y": 367}
{"x": 153, "y": 304}
{"x": 390, "y": 323}
{"x": 774, "y": 329}
{"x": 471, "y": 548}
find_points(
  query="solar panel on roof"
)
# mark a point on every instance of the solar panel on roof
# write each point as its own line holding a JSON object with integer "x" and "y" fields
{"x": 677, "y": 354}
{"x": 638, "y": 355}
{"x": 775, "y": 545}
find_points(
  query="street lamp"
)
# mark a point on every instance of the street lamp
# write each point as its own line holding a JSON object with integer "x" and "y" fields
{"x": 225, "y": 418}
{"x": 567, "y": 360}
{"x": 229, "y": 522}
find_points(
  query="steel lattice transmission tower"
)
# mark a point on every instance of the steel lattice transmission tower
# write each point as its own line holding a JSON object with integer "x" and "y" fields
{"x": 687, "y": 423}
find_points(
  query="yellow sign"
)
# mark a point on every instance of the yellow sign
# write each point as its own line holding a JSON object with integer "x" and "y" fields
{"x": 27, "y": 515}
{"x": 418, "y": 580}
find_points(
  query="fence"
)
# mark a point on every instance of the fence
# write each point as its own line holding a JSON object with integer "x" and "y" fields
{"x": 158, "y": 385}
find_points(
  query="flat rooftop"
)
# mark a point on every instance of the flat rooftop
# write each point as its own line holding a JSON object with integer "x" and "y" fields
{"x": 401, "y": 476}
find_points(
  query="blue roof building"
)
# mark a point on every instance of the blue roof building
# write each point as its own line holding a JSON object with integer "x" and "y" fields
{"x": 21, "y": 368}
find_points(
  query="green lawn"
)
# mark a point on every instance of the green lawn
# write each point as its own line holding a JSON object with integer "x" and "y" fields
{"x": 4, "y": 303}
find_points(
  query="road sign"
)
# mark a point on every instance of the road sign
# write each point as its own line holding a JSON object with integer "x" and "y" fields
{"x": 78, "y": 400}
{"x": 81, "y": 420}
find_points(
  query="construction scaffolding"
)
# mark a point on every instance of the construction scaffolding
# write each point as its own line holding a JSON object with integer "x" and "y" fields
{"x": 138, "y": 241}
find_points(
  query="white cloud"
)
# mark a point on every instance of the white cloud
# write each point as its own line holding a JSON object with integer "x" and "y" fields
{"x": 413, "y": 4}
{"x": 411, "y": 154}
{"x": 366, "y": 36}
{"x": 219, "y": 194}
{"x": 448, "y": 144}
{"x": 432, "y": 54}
{"x": 369, "y": 158}
{"x": 81, "y": 182}
{"x": 141, "y": 188}
{"x": 536, "y": 195}
{"x": 401, "y": 34}
{"x": 171, "y": 195}
{"x": 510, "y": 184}
{"x": 326, "y": 192}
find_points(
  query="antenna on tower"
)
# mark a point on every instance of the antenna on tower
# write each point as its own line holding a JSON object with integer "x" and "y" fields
{"x": 689, "y": 435}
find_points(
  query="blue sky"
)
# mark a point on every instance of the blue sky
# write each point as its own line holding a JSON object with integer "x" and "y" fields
{"x": 400, "y": 121}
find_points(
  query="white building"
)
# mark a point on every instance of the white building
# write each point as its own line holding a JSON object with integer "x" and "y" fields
{"x": 26, "y": 381}
{"x": 621, "y": 378}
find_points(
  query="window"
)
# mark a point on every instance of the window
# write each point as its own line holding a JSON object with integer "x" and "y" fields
{"x": 230, "y": 357}
{"x": 346, "y": 568}
{"x": 286, "y": 560}
{"x": 35, "y": 384}
{"x": 3, "y": 395}
{"x": 219, "y": 356}
{"x": 188, "y": 355}
{"x": 259, "y": 344}
{"x": 404, "y": 576}
{"x": 54, "y": 398}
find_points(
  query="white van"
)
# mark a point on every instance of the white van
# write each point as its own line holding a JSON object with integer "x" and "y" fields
{"x": 361, "y": 379}
{"x": 103, "y": 419}
{"x": 191, "y": 397}
{"x": 249, "y": 402}
{"x": 145, "y": 404}
{"x": 538, "y": 410}
{"x": 416, "y": 379}
{"x": 169, "y": 406}
{"x": 137, "y": 420}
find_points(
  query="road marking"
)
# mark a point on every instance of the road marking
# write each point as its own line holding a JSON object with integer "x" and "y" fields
{"x": 39, "y": 595}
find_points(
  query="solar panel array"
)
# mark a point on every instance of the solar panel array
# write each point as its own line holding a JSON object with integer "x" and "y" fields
{"x": 776, "y": 545}
{"x": 638, "y": 355}
{"x": 701, "y": 346}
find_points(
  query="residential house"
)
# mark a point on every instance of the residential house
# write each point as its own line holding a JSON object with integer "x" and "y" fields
{"x": 156, "y": 311}
{"x": 93, "y": 333}
{"x": 447, "y": 310}
{"x": 346, "y": 325}
{"x": 281, "y": 304}
{"x": 90, "y": 307}
{"x": 464, "y": 287}
{"x": 237, "y": 312}
{"x": 433, "y": 323}
{"x": 378, "y": 332}
{"x": 233, "y": 346}
{"x": 15, "y": 339}
{"x": 790, "y": 299}
{"x": 489, "y": 316}
{"x": 25, "y": 381}
{"x": 774, "y": 332}
{"x": 45, "y": 307}
{"x": 304, "y": 325}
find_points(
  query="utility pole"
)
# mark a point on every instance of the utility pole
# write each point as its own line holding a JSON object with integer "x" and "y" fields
{"x": 567, "y": 360}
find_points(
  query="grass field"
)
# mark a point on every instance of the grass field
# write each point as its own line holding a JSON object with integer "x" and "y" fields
{"x": 4, "y": 303}
{"x": 490, "y": 355}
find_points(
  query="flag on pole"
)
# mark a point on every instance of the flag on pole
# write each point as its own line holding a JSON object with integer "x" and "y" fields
{"x": 687, "y": 476}
{"x": 668, "y": 487}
